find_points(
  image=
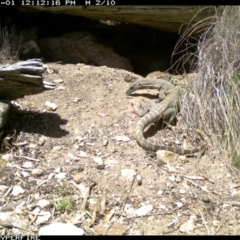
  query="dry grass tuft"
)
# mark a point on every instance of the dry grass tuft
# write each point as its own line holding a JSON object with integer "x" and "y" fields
{"x": 187, "y": 45}
{"x": 212, "y": 103}
{"x": 9, "y": 43}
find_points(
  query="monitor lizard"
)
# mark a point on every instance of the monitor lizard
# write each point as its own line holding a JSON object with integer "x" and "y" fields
{"x": 153, "y": 113}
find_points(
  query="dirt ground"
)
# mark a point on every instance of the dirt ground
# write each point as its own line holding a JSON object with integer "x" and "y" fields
{"x": 91, "y": 136}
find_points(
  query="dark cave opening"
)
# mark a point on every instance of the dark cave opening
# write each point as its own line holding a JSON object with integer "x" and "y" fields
{"x": 147, "y": 49}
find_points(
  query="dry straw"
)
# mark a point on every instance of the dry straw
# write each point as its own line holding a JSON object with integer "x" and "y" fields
{"x": 212, "y": 102}
{"x": 8, "y": 40}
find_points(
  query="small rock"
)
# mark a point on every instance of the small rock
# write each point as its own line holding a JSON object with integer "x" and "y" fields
{"x": 227, "y": 206}
{"x": 58, "y": 81}
{"x": 160, "y": 192}
{"x": 50, "y": 176}
{"x": 111, "y": 161}
{"x": 139, "y": 180}
{"x": 27, "y": 165}
{"x": 61, "y": 88}
{"x": 188, "y": 226}
{"x": 56, "y": 148}
{"x": 106, "y": 173}
{"x": 79, "y": 139}
{"x": 172, "y": 178}
{"x": 60, "y": 229}
{"x": 235, "y": 194}
{"x": 44, "y": 217}
{"x": 50, "y": 70}
{"x": 16, "y": 231}
{"x": 75, "y": 100}
{"x": 178, "y": 179}
{"x": 78, "y": 177}
{"x": 19, "y": 207}
{"x": 182, "y": 191}
{"x": 122, "y": 138}
{"x": 98, "y": 160}
{"x": 179, "y": 204}
{"x": 100, "y": 166}
{"x": 236, "y": 185}
{"x": 36, "y": 196}
{"x": 17, "y": 190}
{"x": 82, "y": 154}
{"x": 61, "y": 175}
{"x": 83, "y": 189}
{"x": 135, "y": 232}
{"x": 43, "y": 203}
{"x": 215, "y": 223}
{"x": 9, "y": 207}
{"x": 206, "y": 199}
{"x": 6, "y": 157}
{"x": 58, "y": 170}
{"x": 90, "y": 144}
{"x": 11, "y": 219}
{"x": 25, "y": 174}
{"x": 72, "y": 157}
{"x": 37, "y": 172}
{"x": 77, "y": 218}
{"x": 163, "y": 207}
{"x": 128, "y": 173}
{"x": 231, "y": 222}
{"x": 116, "y": 229}
{"x": 144, "y": 210}
{"x": 41, "y": 141}
{"x": 129, "y": 210}
{"x": 182, "y": 157}
{"x": 92, "y": 201}
{"x": 32, "y": 145}
{"x": 50, "y": 106}
{"x": 166, "y": 156}
{"x": 160, "y": 162}
{"x": 105, "y": 142}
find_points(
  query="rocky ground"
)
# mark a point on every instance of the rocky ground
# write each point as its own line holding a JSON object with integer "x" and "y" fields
{"x": 75, "y": 160}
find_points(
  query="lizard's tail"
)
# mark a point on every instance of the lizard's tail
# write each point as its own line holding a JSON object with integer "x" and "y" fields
{"x": 145, "y": 121}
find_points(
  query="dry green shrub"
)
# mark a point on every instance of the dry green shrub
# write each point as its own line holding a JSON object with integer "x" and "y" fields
{"x": 8, "y": 41}
{"x": 212, "y": 103}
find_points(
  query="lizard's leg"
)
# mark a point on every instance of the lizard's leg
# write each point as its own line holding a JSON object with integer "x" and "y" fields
{"x": 161, "y": 96}
{"x": 143, "y": 110}
{"x": 169, "y": 115}
{"x": 163, "y": 93}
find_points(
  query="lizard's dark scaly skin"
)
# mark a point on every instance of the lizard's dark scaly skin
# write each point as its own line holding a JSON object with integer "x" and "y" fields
{"x": 157, "y": 112}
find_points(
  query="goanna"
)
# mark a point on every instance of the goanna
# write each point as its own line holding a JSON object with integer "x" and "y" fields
{"x": 157, "y": 112}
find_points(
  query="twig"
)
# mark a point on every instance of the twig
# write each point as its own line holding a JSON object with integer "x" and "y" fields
{"x": 8, "y": 191}
{"x": 149, "y": 215}
{"x": 128, "y": 193}
{"x": 85, "y": 197}
{"x": 217, "y": 228}
{"x": 28, "y": 158}
{"x": 234, "y": 203}
{"x": 21, "y": 144}
{"x": 204, "y": 190}
{"x": 204, "y": 222}
{"x": 156, "y": 214}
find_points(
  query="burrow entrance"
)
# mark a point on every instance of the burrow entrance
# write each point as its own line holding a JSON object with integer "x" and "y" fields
{"x": 146, "y": 48}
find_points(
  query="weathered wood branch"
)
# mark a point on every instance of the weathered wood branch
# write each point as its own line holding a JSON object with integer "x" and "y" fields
{"x": 23, "y": 78}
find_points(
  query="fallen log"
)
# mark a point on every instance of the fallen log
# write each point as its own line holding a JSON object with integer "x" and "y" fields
{"x": 23, "y": 78}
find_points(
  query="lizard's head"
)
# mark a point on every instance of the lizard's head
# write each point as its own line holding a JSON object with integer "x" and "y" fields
{"x": 134, "y": 86}
{"x": 130, "y": 88}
